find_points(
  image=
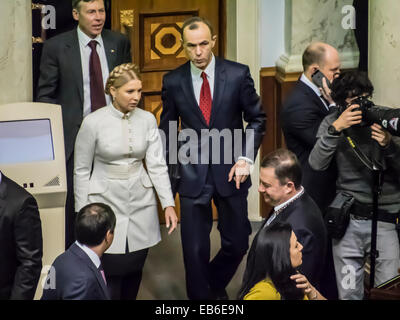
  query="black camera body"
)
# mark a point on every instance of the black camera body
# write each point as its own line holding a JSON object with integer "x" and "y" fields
{"x": 387, "y": 117}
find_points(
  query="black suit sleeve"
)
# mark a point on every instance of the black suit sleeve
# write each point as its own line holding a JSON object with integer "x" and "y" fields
{"x": 253, "y": 115}
{"x": 49, "y": 75}
{"x": 170, "y": 120}
{"x": 29, "y": 250}
{"x": 312, "y": 259}
{"x": 303, "y": 122}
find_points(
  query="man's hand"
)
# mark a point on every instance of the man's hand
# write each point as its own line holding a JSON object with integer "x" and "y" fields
{"x": 240, "y": 172}
{"x": 326, "y": 92}
{"x": 380, "y": 135}
{"x": 348, "y": 118}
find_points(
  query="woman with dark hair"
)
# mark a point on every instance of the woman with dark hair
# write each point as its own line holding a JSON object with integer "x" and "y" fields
{"x": 272, "y": 275}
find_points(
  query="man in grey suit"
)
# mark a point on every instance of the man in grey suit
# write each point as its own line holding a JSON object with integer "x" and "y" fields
{"x": 74, "y": 68}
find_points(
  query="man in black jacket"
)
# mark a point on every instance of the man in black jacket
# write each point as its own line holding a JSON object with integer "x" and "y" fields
{"x": 302, "y": 113}
{"x": 77, "y": 273}
{"x": 280, "y": 186}
{"x": 21, "y": 247}
{"x": 74, "y": 68}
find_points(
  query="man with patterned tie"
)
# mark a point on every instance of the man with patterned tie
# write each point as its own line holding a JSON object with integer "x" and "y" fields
{"x": 74, "y": 68}
{"x": 280, "y": 187}
{"x": 210, "y": 97}
{"x": 77, "y": 274}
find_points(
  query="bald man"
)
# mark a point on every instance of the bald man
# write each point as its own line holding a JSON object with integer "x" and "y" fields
{"x": 302, "y": 114}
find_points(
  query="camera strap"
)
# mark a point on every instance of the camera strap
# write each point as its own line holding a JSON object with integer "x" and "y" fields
{"x": 361, "y": 155}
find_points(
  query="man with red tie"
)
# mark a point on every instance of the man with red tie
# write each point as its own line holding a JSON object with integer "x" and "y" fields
{"x": 211, "y": 97}
{"x": 74, "y": 68}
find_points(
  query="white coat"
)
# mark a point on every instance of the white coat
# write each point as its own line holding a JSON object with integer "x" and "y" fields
{"x": 116, "y": 145}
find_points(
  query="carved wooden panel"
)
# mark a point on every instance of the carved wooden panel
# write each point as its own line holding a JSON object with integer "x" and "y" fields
{"x": 161, "y": 47}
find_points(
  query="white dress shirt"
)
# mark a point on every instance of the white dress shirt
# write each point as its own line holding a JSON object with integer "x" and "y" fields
{"x": 92, "y": 255}
{"x": 314, "y": 88}
{"x": 85, "y": 57}
{"x": 281, "y": 206}
{"x": 197, "y": 80}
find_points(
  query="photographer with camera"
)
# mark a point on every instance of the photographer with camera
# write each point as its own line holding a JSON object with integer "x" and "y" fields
{"x": 353, "y": 137}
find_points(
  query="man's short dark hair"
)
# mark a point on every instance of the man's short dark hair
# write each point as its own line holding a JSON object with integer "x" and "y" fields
{"x": 314, "y": 53}
{"x": 76, "y": 3}
{"x": 350, "y": 84}
{"x": 93, "y": 222}
{"x": 193, "y": 24}
{"x": 286, "y": 165}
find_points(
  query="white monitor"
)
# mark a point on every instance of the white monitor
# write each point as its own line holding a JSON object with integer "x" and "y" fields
{"x": 32, "y": 154}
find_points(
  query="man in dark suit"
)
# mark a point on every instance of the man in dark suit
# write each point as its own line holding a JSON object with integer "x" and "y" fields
{"x": 74, "y": 68}
{"x": 77, "y": 273}
{"x": 303, "y": 112}
{"x": 280, "y": 186}
{"x": 21, "y": 247}
{"x": 211, "y": 97}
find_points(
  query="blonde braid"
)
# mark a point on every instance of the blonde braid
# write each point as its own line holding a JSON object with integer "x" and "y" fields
{"x": 121, "y": 75}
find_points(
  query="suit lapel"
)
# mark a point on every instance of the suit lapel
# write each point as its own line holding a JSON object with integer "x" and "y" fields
{"x": 187, "y": 88}
{"x": 219, "y": 87}
{"x": 80, "y": 253}
{"x": 73, "y": 53}
{"x": 110, "y": 50}
{"x": 313, "y": 96}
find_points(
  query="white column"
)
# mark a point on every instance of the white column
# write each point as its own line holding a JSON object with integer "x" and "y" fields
{"x": 243, "y": 46}
{"x": 308, "y": 21}
{"x": 384, "y": 46}
{"x": 15, "y": 51}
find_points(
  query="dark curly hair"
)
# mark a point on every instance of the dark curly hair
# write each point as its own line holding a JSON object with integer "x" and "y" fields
{"x": 350, "y": 84}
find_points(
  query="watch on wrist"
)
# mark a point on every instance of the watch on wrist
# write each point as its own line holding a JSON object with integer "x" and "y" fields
{"x": 332, "y": 130}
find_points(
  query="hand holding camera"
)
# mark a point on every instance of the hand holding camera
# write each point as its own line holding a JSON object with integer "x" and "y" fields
{"x": 380, "y": 135}
{"x": 349, "y": 117}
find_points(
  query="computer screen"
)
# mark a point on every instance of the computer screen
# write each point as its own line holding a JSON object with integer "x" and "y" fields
{"x": 26, "y": 141}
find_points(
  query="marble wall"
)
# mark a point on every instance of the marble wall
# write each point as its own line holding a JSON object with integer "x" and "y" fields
{"x": 384, "y": 46}
{"x": 15, "y": 51}
{"x": 307, "y": 21}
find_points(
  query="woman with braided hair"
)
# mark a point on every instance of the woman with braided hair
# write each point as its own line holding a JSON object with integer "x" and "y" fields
{"x": 112, "y": 145}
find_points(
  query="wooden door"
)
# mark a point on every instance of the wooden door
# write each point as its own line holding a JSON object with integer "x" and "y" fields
{"x": 154, "y": 30}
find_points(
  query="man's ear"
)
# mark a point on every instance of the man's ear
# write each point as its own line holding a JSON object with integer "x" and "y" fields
{"x": 290, "y": 186}
{"x": 214, "y": 39}
{"x": 313, "y": 68}
{"x": 109, "y": 237}
{"x": 75, "y": 14}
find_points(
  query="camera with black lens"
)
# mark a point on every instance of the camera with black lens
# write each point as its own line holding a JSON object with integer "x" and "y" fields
{"x": 357, "y": 84}
{"x": 365, "y": 106}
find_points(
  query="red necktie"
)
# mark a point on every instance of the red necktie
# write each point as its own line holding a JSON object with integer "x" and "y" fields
{"x": 97, "y": 95}
{"x": 205, "y": 99}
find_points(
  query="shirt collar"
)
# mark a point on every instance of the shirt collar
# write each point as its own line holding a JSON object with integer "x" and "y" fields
{"x": 92, "y": 255}
{"x": 115, "y": 112}
{"x": 314, "y": 88}
{"x": 209, "y": 71}
{"x": 84, "y": 39}
{"x": 286, "y": 203}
